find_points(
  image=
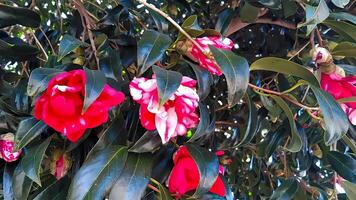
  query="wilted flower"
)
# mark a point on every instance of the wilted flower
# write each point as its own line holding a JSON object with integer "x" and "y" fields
{"x": 7, "y": 147}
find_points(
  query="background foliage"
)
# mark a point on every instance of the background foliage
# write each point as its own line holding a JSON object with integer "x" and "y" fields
{"x": 281, "y": 147}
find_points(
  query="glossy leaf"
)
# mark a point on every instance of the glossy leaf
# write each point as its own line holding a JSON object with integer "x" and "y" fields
{"x": 343, "y": 16}
{"x": 207, "y": 164}
{"x": 67, "y": 45}
{"x": 110, "y": 63}
{"x": 8, "y": 191}
{"x": 21, "y": 184}
{"x": 151, "y": 48}
{"x": 167, "y": 83}
{"x": 39, "y": 79}
{"x": 31, "y": 162}
{"x": 343, "y": 164}
{"x": 347, "y": 49}
{"x": 350, "y": 189}
{"x": 340, "y": 3}
{"x": 15, "y": 15}
{"x": 314, "y": 16}
{"x": 346, "y": 30}
{"x": 28, "y": 130}
{"x": 286, "y": 190}
{"x": 16, "y": 49}
{"x": 204, "y": 121}
{"x": 56, "y": 191}
{"x": 98, "y": 173}
{"x": 94, "y": 85}
{"x": 336, "y": 121}
{"x": 280, "y": 65}
{"x": 161, "y": 22}
{"x": 236, "y": 71}
{"x": 134, "y": 178}
{"x": 149, "y": 142}
{"x": 191, "y": 26}
{"x": 272, "y": 4}
{"x": 204, "y": 79}
{"x": 295, "y": 143}
{"x": 224, "y": 20}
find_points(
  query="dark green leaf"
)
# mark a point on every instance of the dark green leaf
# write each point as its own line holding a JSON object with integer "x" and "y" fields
{"x": 249, "y": 13}
{"x": 67, "y": 45}
{"x": 336, "y": 121}
{"x": 347, "y": 49}
{"x": 204, "y": 122}
{"x": 343, "y": 164}
{"x": 14, "y": 49}
{"x": 8, "y": 191}
{"x": 167, "y": 83}
{"x": 21, "y": 184}
{"x": 56, "y": 191}
{"x": 110, "y": 63}
{"x": 343, "y": 16}
{"x": 271, "y": 142}
{"x": 28, "y": 130}
{"x": 283, "y": 66}
{"x": 98, "y": 173}
{"x": 272, "y": 4}
{"x": 94, "y": 85}
{"x": 236, "y": 71}
{"x": 39, "y": 79}
{"x": 161, "y": 22}
{"x": 315, "y": 16}
{"x": 208, "y": 165}
{"x": 204, "y": 79}
{"x": 340, "y": 3}
{"x": 224, "y": 20}
{"x": 191, "y": 26}
{"x": 134, "y": 179}
{"x": 289, "y": 7}
{"x": 149, "y": 142}
{"x": 151, "y": 48}
{"x": 286, "y": 190}
{"x": 31, "y": 162}
{"x": 15, "y": 15}
{"x": 346, "y": 30}
{"x": 164, "y": 193}
{"x": 350, "y": 189}
{"x": 295, "y": 143}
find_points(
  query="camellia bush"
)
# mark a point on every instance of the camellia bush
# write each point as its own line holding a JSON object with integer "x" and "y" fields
{"x": 125, "y": 100}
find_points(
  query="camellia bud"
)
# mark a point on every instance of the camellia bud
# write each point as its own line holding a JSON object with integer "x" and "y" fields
{"x": 60, "y": 164}
{"x": 7, "y": 147}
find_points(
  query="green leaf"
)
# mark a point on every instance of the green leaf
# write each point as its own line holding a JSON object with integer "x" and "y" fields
{"x": 55, "y": 191}
{"x": 336, "y": 121}
{"x": 98, "y": 173}
{"x": 289, "y": 7}
{"x": 315, "y": 16}
{"x": 343, "y": 164}
{"x": 67, "y": 45}
{"x": 208, "y": 165}
{"x": 31, "y": 162}
{"x": 16, "y": 49}
{"x": 28, "y": 130}
{"x": 204, "y": 122}
{"x": 252, "y": 125}
{"x": 149, "y": 142}
{"x": 347, "y": 49}
{"x": 204, "y": 79}
{"x": 224, "y": 20}
{"x": 346, "y": 30}
{"x": 94, "y": 85}
{"x": 295, "y": 143}
{"x": 191, "y": 26}
{"x": 133, "y": 181}
{"x": 164, "y": 193}
{"x": 272, "y": 4}
{"x": 340, "y": 3}
{"x": 350, "y": 189}
{"x": 21, "y": 184}
{"x": 39, "y": 79}
{"x": 286, "y": 190}
{"x": 167, "y": 83}
{"x": 110, "y": 63}
{"x": 15, "y": 15}
{"x": 249, "y": 13}
{"x": 343, "y": 16}
{"x": 151, "y": 48}
{"x": 161, "y": 22}
{"x": 235, "y": 68}
{"x": 271, "y": 142}
{"x": 283, "y": 66}
{"x": 8, "y": 191}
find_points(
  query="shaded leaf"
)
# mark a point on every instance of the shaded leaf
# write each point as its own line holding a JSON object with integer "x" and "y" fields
{"x": 149, "y": 142}
{"x": 39, "y": 79}
{"x": 31, "y": 162}
{"x": 347, "y": 49}
{"x": 272, "y": 4}
{"x": 204, "y": 122}
{"x": 167, "y": 83}
{"x": 346, "y": 30}
{"x": 161, "y": 22}
{"x": 94, "y": 85}
{"x": 224, "y": 20}
{"x": 315, "y": 15}
{"x": 16, "y": 49}
{"x": 286, "y": 190}
{"x": 8, "y": 191}
{"x": 67, "y": 45}
{"x": 15, "y": 15}
{"x": 56, "y": 191}
{"x": 343, "y": 16}
{"x": 204, "y": 80}
{"x": 28, "y": 130}
{"x": 191, "y": 26}
{"x": 343, "y": 164}
{"x": 340, "y": 3}
{"x": 236, "y": 71}
{"x": 98, "y": 173}
{"x": 21, "y": 184}
{"x": 208, "y": 165}
{"x": 350, "y": 189}
{"x": 249, "y": 13}
{"x": 151, "y": 48}
{"x": 110, "y": 63}
{"x": 134, "y": 179}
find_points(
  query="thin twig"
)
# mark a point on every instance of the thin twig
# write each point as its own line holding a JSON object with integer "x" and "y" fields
{"x": 39, "y": 45}
{"x": 320, "y": 39}
{"x": 153, "y": 188}
{"x": 49, "y": 42}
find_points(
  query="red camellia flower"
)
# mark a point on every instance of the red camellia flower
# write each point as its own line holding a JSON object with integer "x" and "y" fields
{"x": 185, "y": 176}
{"x": 173, "y": 118}
{"x": 334, "y": 81}
{"x": 205, "y": 62}
{"x": 6, "y": 148}
{"x": 60, "y": 106}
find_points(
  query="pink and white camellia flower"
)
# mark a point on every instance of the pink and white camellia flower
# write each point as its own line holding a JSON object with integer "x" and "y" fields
{"x": 334, "y": 81}
{"x": 7, "y": 147}
{"x": 204, "y": 61}
{"x": 175, "y": 116}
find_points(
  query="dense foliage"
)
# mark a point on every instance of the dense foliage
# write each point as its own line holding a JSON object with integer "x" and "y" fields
{"x": 264, "y": 129}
